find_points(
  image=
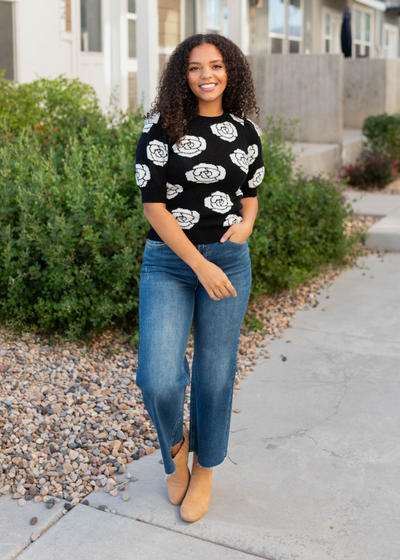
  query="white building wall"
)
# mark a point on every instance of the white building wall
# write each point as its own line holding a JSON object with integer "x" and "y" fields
{"x": 45, "y": 50}
{"x": 40, "y": 50}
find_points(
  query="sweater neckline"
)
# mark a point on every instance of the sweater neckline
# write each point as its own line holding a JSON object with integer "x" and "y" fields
{"x": 215, "y": 119}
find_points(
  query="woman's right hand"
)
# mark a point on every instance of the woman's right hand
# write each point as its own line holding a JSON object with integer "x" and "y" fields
{"x": 215, "y": 281}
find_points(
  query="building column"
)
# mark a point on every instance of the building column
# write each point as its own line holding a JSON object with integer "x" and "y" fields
{"x": 119, "y": 52}
{"x": 238, "y": 23}
{"x": 147, "y": 51}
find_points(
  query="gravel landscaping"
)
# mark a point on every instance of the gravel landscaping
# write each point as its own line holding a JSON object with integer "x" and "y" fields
{"x": 72, "y": 417}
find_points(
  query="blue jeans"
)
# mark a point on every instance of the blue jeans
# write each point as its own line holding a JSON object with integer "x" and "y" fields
{"x": 170, "y": 298}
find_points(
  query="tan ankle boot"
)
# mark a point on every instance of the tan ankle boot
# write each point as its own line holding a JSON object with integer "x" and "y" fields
{"x": 178, "y": 481}
{"x": 197, "y": 498}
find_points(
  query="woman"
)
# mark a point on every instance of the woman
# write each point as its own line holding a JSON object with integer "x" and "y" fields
{"x": 198, "y": 165}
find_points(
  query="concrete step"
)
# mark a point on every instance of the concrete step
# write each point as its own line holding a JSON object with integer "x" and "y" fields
{"x": 371, "y": 204}
{"x": 316, "y": 158}
{"x": 385, "y": 234}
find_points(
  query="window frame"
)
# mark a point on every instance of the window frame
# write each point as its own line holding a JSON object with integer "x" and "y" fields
{"x": 334, "y": 15}
{"x": 286, "y": 38}
{"x": 65, "y": 33}
{"x": 130, "y": 16}
{"x": 363, "y": 43}
{"x": 92, "y": 53}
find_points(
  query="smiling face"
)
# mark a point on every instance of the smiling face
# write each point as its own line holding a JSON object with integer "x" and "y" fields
{"x": 207, "y": 78}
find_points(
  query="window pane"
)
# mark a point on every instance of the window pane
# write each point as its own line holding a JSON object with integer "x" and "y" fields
{"x": 294, "y": 18}
{"x": 294, "y": 46}
{"x": 213, "y": 13}
{"x": 132, "y": 6}
{"x": 132, "y": 38}
{"x": 327, "y": 45}
{"x": 358, "y": 25}
{"x": 358, "y": 50}
{"x": 368, "y": 27}
{"x": 225, "y": 21}
{"x": 367, "y": 51}
{"x": 387, "y": 37}
{"x": 276, "y": 16}
{"x": 276, "y": 45}
{"x": 328, "y": 25}
{"x": 91, "y": 25}
{"x": 7, "y": 40}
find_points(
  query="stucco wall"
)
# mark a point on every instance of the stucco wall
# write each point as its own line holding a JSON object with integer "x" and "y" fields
{"x": 371, "y": 87}
{"x": 305, "y": 87}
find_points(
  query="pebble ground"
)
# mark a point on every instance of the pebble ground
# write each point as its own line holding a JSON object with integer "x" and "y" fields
{"x": 72, "y": 417}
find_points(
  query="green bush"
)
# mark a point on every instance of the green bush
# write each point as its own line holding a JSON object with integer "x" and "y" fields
{"x": 383, "y": 135}
{"x": 300, "y": 226}
{"x": 72, "y": 229}
{"x": 71, "y": 224}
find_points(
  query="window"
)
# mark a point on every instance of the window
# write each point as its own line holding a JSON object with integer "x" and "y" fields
{"x": 285, "y": 26}
{"x": 213, "y": 14}
{"x": 332, "y": 25}
{"x": 7, "y": 59}
{"x": 91, "y": 36}
{"x": 132, "y": 18}
{"x": 390, "y": 40}
{"x": 65, "y": 9}
{"x": 362, "y": 33}
{"x": 216, "y": 16}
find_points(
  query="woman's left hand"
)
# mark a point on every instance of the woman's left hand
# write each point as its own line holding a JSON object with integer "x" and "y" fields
{"x": 238, "y": 232}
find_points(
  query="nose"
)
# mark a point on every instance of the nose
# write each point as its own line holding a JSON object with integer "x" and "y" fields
{"x": 206, "y": 72}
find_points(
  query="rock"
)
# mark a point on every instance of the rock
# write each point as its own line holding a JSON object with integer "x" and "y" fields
{"x": 35, "y": 536}
{"x": 33, "y": 520}
{"x": 125, "y": 496}
{"x": 22, "y": 502}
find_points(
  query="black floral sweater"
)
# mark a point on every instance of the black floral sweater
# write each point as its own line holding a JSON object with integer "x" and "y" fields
{"x": 203, "y": 180}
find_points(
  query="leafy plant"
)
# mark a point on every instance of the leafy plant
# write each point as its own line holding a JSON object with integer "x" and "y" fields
{"x": 72, "y": 229}
{"x": 383, "y": 135}
{"x": 372, "y": 169}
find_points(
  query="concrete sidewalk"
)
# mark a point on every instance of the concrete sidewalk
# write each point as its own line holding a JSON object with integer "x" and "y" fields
{"x": 314, "y": 469}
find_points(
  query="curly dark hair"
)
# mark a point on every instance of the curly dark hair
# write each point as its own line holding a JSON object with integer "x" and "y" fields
{"x": 176, "y": 102}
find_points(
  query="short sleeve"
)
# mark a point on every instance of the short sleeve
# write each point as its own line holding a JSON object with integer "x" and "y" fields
{"x": 151, "y": 161}
{"x": 256, "y": 171}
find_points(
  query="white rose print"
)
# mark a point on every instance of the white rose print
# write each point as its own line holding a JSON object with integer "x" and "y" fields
{"x": 173, "y": 190}
{"x": 239, "y": 157}
{"x": 191, "y": 146}
{"x": 257, "y": 178}
{"x": 238, "y": 119}
{"x": 239, "y": 192}
{"x": 186, "y": 218}
{"x": 142, "y": 175}
{"x": 252, "y": 153}
{"x": 232, "y": 219}
{"x": 225, "y": 130}
{"x": 206, "y": 173}
{"x": 150, "y": 121}
{"x": 157, "y": 152}
{"x": 219, "y": 202}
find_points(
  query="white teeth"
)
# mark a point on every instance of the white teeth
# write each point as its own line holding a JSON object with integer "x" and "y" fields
{"x": 209, "y": 86}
